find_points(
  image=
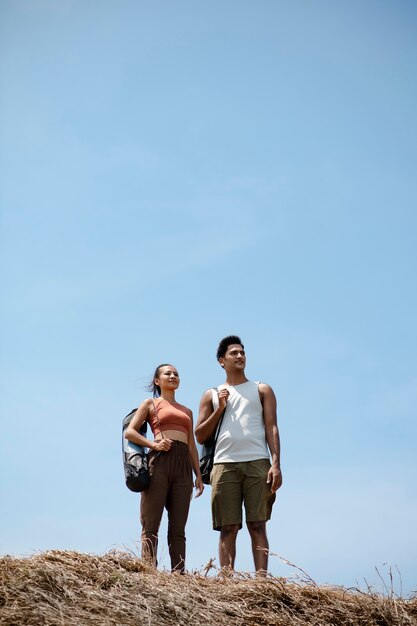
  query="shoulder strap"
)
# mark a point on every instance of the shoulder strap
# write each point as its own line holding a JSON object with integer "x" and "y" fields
{"x": 214, "y": 399}
{"x": 157, "y": 418}
{"x": 214, "y": 395}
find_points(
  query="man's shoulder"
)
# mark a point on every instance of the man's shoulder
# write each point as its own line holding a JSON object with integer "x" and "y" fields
{"x": 265, "y": 390}
{"x": 263, "y": 385}
{"x": 208, "y": 394}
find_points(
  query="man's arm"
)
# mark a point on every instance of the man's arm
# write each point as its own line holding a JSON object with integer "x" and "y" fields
{"x": 207, "y": 417}
{"x": 269, "y": 404}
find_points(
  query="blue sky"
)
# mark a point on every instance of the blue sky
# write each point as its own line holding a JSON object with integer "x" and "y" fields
{"x": 173, "y": 172}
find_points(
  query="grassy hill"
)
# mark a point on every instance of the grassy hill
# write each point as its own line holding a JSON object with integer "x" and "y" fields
{"x": 68, "y": 588}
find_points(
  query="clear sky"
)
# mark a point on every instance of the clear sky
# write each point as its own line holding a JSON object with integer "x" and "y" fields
{"x": 173, "y": 172}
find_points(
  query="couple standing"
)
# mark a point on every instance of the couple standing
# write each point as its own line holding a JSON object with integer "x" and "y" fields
{"x": 246, "y": 461}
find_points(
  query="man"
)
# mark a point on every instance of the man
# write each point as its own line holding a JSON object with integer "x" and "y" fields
{"x": 242, "y": 470}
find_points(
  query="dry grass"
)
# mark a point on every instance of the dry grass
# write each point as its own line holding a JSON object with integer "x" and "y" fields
{"x": 69, "y": 588}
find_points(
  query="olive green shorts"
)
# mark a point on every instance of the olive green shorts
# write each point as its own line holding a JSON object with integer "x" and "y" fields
{"x": 234, "y": 484}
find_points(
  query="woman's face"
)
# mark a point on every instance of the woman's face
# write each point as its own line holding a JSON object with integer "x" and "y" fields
{"x": 168, "y": 378}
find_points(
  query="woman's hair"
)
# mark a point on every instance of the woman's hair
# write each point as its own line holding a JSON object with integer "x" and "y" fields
{"x": 225, "y": 343}
{"x": 156, "y": 389}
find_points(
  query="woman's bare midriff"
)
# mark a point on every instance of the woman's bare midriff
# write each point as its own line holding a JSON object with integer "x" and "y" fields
{"x": 175, "y": 435}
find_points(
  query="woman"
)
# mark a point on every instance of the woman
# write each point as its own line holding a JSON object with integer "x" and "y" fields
{"x": 172, "y": 457}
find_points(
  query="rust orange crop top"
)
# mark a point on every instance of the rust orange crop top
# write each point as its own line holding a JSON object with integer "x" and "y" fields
{"x": 171, "y": 417}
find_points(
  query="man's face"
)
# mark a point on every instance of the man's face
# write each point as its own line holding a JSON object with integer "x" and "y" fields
{"x": 234, "y": 359}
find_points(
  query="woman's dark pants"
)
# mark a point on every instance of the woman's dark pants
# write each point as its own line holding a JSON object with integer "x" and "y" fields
{"x": 170, "y": 487}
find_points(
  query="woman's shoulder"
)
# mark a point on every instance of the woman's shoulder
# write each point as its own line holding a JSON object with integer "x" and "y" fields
{"x": 148, "y": 403}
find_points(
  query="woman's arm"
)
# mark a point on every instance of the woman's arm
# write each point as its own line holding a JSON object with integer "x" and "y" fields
{"x": 198, "y": 484}
{"x": 132, "y": 431}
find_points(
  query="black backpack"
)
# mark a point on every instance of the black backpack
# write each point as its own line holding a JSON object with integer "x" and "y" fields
{"x": 135, "y": 459}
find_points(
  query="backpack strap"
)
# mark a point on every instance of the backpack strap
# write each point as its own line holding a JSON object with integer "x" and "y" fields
{"x": 215, "y": 402}
{"x": 214, "y": 398}
{"x": 157, "y": 419}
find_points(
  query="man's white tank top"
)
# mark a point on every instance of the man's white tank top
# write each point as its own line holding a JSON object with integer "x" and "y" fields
{"x": 242, "y": 432}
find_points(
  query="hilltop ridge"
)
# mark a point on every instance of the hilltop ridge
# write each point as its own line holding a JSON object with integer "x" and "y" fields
{"x": 118, "y": 589}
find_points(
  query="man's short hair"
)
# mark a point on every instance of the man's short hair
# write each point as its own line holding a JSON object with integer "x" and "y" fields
{"x": 225, "y": 343}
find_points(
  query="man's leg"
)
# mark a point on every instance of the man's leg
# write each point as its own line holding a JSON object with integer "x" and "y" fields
{"x": 227, "y": 545}
{"x": 260, "y": 546}
{"x": 226, "y": 502}
{"x": 258, "y": 501}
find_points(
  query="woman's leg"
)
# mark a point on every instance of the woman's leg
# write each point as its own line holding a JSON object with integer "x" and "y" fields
{"x": 152, "y": 507}
{"x": 178, "y": 504}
